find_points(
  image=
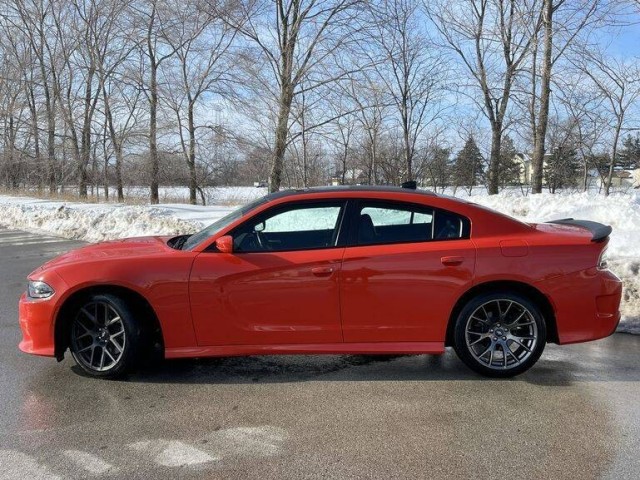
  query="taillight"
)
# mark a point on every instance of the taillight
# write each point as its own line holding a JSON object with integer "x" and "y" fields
{"x": 602, "y": 261}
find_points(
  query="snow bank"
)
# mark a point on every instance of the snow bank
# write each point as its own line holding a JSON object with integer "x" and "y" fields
{"x": 93, "y": 222}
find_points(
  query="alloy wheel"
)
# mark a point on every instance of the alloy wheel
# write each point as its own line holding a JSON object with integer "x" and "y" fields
{"x": 501, "y": 334}
{"x": 98, "y": 336}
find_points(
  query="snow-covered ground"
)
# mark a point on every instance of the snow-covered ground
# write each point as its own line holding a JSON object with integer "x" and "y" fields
{"x": 95, "y": 222}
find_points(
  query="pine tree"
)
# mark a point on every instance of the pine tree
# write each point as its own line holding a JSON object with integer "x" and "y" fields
{"x": 629, "y": 154}
{"x": 439, "y": 168}
{"x": 508, "y": 169}
{"x": 468, "y": 166}
{"x": 561, "y": 169}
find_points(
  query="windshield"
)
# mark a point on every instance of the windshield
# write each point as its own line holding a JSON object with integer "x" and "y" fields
{"x": 221, "y": 224}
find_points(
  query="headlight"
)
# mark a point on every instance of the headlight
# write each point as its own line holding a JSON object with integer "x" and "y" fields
{"x": 37, "y": 289}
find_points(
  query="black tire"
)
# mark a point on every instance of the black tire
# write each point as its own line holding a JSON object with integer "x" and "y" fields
{"x": 490, "y": 321}
{"x": 118, "y": 351}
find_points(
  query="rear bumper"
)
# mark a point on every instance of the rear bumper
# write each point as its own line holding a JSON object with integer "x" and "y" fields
{"x": 36, "y": 323}
{"x": 586, "y": 304}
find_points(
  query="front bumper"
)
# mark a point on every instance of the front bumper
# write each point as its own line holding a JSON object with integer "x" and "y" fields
{"x": 37, "y": 325}
{"x": 586, "y": 304}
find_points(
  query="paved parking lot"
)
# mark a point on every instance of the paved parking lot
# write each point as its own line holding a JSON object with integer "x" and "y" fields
{"x": 575, "y": 415}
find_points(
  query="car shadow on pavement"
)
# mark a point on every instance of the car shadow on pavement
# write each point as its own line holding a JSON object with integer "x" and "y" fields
{"x": 551, "y": 371}
{"x": 616, "y": 358}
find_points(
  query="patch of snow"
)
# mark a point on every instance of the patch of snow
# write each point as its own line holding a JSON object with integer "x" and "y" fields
{"x": 15, "y": 464}
{"x": 97, "y": 222}
{"x": 173, "y": 453}
{"x": 93, "y": 464}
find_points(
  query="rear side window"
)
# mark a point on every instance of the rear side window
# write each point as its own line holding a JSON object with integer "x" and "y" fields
{"x": 380, "y": 223}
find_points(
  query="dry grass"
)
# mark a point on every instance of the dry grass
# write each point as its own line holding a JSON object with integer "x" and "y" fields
{"x": 71, "y": 196}
{"x": 220, "y": 196}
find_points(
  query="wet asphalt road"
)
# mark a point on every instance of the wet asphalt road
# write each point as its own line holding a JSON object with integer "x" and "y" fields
{"x": 575, "y": 415}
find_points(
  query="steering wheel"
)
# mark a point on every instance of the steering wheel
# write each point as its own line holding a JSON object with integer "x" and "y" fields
{"x": 261, "y": 241}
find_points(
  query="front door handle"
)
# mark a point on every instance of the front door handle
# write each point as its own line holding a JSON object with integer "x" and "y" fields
{"x": 452, "y": 261}
{"x": 322, "y": 271}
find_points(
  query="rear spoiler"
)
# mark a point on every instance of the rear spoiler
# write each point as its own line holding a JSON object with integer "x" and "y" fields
{"x": 599, "y": 232}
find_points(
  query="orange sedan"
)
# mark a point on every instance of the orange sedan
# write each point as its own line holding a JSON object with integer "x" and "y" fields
{"x": 342, "y": 270}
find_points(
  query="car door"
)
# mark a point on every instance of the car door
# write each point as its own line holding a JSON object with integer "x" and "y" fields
{"x": 402, "y": 272}
{"x": 280, "y": 284}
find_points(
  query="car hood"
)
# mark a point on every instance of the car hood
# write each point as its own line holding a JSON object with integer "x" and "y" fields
{"x": 124, "y": 248}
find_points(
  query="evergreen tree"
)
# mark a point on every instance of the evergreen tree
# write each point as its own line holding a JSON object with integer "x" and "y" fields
{"x": 439, "y": 167}
{"x": 629, "y": 154}
{"x": 561, "y": 169}
{"x": 468, "y": 166}
{"x": 509, "y": 169}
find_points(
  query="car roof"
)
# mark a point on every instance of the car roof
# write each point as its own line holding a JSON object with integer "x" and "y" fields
{"x": 348, "y": 188}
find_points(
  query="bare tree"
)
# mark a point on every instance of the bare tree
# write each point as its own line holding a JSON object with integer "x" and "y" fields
{"x": 492, "y": 38}
{"x": 618, "y": 81}
{"x": 202, "y": 66}
{"x": 155, "y": 23}
{"x": 296, "y": 38}
{"x": 563, "y": 24}
{"x": 410, "y": 68}
{"x": 115, "y": 48}
{"x": 32, "y": 18}
{"x": 343, "y": 133}
{"x": 371, "y": 111}
{"x": 583, "y": 109}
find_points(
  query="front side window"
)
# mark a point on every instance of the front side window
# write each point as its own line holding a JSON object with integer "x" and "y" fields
{"x": 294, "y": 227}
{"x": 380, "y": 223}
{"x": 197, "y": 238}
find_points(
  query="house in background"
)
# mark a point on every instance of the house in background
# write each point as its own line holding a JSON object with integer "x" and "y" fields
{"x": 622, "y": 179}
{"x": 526, "y": 168}
{"x": 524, "y": 160}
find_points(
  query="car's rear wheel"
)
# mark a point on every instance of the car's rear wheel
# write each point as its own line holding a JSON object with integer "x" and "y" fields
{"x": 104, "y": 336}
{"x": 500, "y": 334}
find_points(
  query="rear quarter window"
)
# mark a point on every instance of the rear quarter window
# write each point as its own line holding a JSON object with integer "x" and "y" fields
{"x": 397, "y": 222}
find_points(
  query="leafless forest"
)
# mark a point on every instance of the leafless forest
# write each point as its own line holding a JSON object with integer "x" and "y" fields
{"x": 99, "y": 93}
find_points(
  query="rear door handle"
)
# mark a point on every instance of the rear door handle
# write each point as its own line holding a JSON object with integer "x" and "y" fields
{"x": 451, "y": 261}
{"x": 322, "y": 271}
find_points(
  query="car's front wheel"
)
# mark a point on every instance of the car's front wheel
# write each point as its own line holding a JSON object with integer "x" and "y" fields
{"x": 104, "y": 336}
{"x": 500, "y": 334}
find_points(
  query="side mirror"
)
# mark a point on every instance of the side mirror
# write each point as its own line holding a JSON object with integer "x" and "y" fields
{"x": 225, "y": 244}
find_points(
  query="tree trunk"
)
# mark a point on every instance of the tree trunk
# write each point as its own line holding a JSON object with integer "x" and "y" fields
{"x": 118, "y": 150}
{"x": 105, "y": 173}
{"x": 193, "y": 180}
{"x": 537, "y": 162}
{"x": 408, "y": 154}
{"x": 85, "y": 145}
{"x": 493, "y": 183}
{"x": 614, "y": 154}
{"x": 344, "y": 163}
{"x": 36, "y": 131}
{"x": 51, "y": 138}
{"x": 282, "y": 128}
{"x": 117, "y": 144}
{"x": 153, "y": 134}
